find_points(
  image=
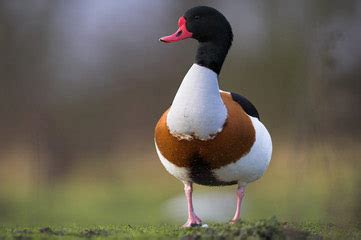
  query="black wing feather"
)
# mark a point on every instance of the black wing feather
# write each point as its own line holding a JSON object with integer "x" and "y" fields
{"x": 247, "y": 106}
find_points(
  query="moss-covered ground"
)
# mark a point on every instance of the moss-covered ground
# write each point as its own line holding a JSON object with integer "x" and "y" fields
{"x": 261, "y": 229}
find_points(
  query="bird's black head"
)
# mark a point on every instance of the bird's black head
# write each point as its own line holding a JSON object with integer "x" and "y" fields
{"x": 203, "y": 24}
{"x": 207, "y": 24}
{"x": 211, "y": 29}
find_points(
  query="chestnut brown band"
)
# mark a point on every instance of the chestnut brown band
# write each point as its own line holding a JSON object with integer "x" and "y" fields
{"x": 228, "y": 146}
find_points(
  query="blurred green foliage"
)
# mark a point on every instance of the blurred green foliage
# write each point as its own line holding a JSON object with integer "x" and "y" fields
{"x": 326, "y": 192}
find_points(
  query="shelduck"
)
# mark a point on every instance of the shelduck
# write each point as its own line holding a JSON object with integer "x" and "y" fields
{"x": 209, "y": 136}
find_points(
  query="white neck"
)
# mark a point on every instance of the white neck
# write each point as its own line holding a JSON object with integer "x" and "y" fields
{"x": 197, "y": 109}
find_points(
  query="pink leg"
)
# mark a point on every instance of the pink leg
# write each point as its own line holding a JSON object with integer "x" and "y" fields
{"x": 193, "y": 220}
{"x": 240, "y": 194}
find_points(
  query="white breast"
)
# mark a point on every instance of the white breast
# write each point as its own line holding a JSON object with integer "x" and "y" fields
{"x": 197, "y": 109}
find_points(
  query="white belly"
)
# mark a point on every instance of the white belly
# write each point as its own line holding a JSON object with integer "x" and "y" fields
{"x": 253, "y": 165}
{"x": 181, "y": 173}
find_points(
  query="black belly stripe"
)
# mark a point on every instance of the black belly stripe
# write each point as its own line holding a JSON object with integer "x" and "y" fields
{"x": 201, "y": 173}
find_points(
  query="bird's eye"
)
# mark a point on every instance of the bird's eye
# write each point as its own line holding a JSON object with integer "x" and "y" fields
{"x": 197, "y": 17}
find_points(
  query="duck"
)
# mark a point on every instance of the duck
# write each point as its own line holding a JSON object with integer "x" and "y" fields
{"x": 208, "y": 136}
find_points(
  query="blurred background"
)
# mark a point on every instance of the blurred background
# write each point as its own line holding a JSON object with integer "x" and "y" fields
{"x": 83, "y": 83}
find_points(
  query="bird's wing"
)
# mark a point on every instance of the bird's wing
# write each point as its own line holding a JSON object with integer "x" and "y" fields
{"x": 247, "y": 106}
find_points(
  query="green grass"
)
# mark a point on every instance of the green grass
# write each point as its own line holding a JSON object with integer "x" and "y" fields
{"x": 261, "y": 229}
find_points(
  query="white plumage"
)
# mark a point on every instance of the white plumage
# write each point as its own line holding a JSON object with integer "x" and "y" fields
{"x": 197, "y": 109}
